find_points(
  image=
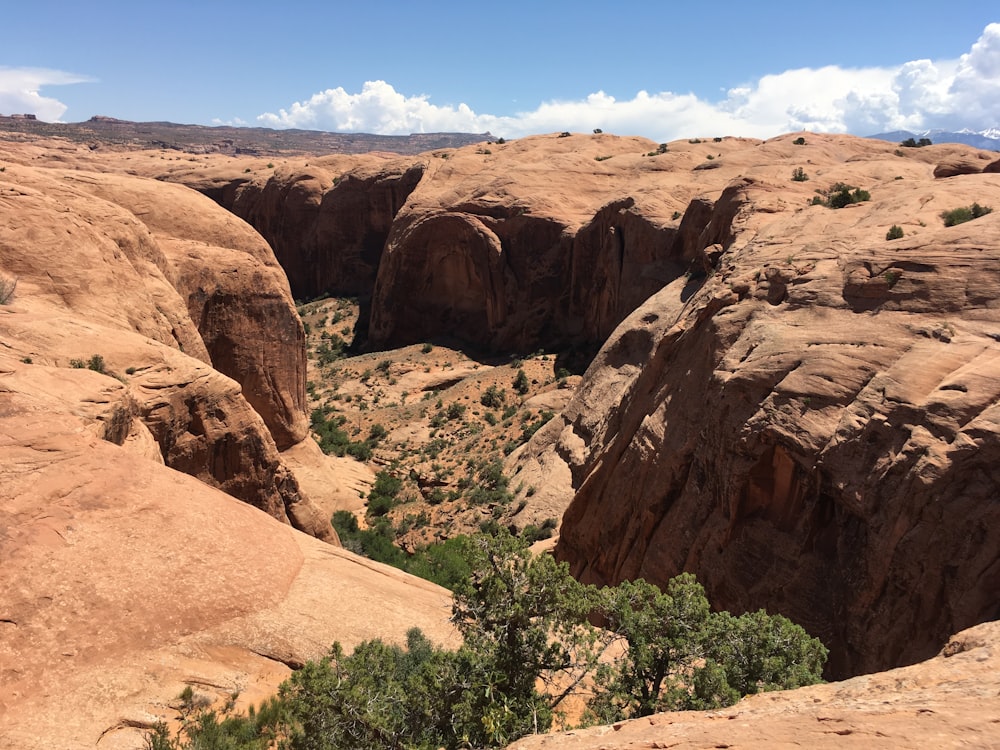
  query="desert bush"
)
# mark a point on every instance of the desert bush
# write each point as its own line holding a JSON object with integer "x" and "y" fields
{"x": 494, "y": 397}
{"x": 964, "y": 213}
{"x": 911, "y": 143}
{"x": 95, "y": 363}
{"x": 841, "y": 194}
{"x": 895, "y": 232}
{"x": 800, "y": 141}
{"x": 521, "y": 384}
{"x": 527, "y": 642}
{"x": 383, "y": 496}
{"x": 799, "y": 175}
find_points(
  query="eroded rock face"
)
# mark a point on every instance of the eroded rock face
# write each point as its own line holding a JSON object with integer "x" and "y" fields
{"x": 235, "y": 291}
{"x": 812, "y": 428}
{"x": 96, "y": 281}
{"x": 525, "y": 246}
{"x": 327, "y": 222}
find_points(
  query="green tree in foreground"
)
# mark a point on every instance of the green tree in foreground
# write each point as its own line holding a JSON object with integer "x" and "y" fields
{"x": 528, "y": 643}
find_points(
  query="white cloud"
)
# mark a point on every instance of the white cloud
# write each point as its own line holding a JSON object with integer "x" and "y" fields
{"x": 20, "y": 87}
{"x": 914, "y": 95}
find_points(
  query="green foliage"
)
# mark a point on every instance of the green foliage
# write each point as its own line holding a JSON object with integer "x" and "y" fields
{"x": 841, "y": 194}
{"x": 455, "y": 411}
{"x": 682, "y": 656}
{"x": 427, "y": 348}
{"x": 335, "y": 441}
{"x": 383, "y": 495}
{"x": 759, "y": 652}
{"x": 95, "y": 363}
{"x": 330, "y": 350}
{"x": 521, "y": 384}
{"x": 911, "y": 143}
{"x": 524, "y": 620}
{"x": 800, "y": 141}
{"x": 380, "y": 696}
{"x": 964, "y": 214}
{"x": 895, "y": 232}
{"x": 799, "y": 175}
{"x": 527, "y": 645}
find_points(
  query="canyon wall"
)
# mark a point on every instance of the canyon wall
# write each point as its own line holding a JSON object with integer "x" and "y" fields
{"x": 125, "y": 275}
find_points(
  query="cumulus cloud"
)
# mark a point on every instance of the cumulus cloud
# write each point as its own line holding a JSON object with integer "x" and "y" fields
{"x": 20, "y": 91}
{"x": 915, "y": 95}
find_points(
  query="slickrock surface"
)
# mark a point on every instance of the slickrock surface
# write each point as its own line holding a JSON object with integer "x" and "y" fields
{"x": 123, "y": 580}
{"x": 950, "y": 701}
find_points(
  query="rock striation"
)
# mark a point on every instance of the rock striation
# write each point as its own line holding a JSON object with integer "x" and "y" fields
{"x": 135, "y": 273}
{"x": 812, "y": 427}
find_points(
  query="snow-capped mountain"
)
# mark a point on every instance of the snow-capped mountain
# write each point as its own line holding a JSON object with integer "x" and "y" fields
{"x": 988, "y": 139}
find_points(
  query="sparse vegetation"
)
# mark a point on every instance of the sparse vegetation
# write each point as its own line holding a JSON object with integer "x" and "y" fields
{"x": 964, "y": 214}
{"x": 521, "y": 384}
{"x": 800, "y": 141}
{"x": 911, "y": 143}
{"x": 799, "y": 175}
{"x": 95, "y": 363}
{"x": 841, "y": 194}
{"x": 895, "y": 232}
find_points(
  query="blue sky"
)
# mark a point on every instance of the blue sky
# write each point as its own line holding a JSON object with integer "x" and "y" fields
{"x": 657, "y": 69}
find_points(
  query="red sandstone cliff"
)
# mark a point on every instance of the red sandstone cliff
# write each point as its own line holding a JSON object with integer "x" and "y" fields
{"x": 133, "y": 271}
{"x": 813, "y": 428}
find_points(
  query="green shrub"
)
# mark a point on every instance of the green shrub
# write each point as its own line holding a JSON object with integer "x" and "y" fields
{"x": 841, "y": 194}
{"x": 800, "y": 141}
{"x": 95, "y": 363}
{"x": 521, "y": 384}
{"x": 964, "y": 214}
{"x": 494, "y": 397}
{"x": 525, "y": 627}
{"x": 895, "y": 232}
{"x": 799, "y": 175}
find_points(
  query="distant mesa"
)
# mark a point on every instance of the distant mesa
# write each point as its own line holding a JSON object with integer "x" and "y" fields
{"x": 18, "y": 117}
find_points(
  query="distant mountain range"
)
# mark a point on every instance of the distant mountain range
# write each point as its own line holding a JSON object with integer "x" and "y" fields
{"x": 200, "y": 139}
{"x": 985, "y": 139}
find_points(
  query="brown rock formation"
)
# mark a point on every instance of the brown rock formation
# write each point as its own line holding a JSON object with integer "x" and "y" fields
{"x": 531, "y": 243}
{"x": 952, "y": 700}
{"x": 810, "y": 429}
{"x": 958, "y": 166}
{"x": 235, "y": 290}
{"x": 327, "y": 221}
{"x": 94, "y": 279}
